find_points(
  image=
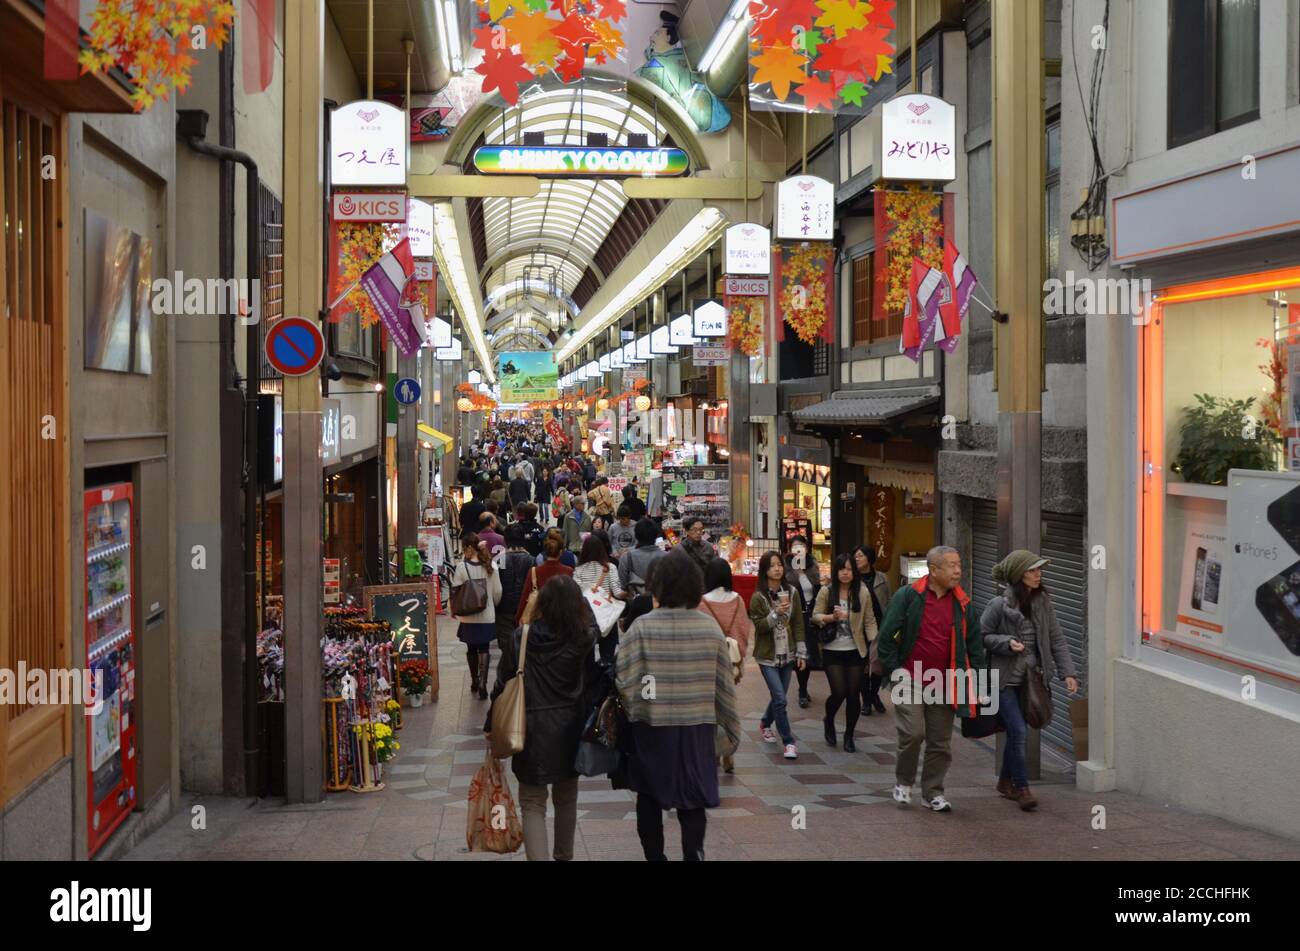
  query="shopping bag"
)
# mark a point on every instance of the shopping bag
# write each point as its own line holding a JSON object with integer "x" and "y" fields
{"x": 606, "y": 610}
{"x": 508, "y": 713}
{"x": 492, "y": 821}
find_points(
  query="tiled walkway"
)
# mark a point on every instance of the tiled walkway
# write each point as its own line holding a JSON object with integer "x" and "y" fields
{"x": 847, "y": 809}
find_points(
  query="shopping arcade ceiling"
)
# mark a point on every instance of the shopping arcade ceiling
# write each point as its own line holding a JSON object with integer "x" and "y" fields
{"x": 544, "y": 257}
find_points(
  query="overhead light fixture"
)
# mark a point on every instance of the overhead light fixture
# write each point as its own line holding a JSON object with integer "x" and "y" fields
{"x": 699, "y": 233}
{"x": 728, "y": 32}
{"x": 446, "y": 248}
{"x": 449, "y": 34}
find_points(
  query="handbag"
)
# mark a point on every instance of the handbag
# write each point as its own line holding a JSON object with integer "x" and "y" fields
{"x": 469, "y": 598}
{"x": 983, "y": 723}
{"x": 530, "y": 606}
{"x": 492, "y": 821}
{"x": 606, "y": 610}
{"x": 508, "y": 715}
{"x": 1038, "y": 699}
{"x": 593, "y": 757}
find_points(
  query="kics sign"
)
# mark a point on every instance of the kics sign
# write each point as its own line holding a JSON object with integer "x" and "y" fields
{"x": 369, "y": 206}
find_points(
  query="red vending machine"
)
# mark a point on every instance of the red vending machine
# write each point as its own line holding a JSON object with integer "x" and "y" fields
{"x": 110, "y": 655}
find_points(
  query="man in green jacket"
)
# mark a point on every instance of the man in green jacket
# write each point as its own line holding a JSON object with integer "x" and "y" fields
{"x": 930, "y": 638}
{"x": 575, "y": 524}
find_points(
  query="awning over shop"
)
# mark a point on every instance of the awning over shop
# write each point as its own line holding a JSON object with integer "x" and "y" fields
{"x": 441, "y": 441}
{"x": 876, "y": 407}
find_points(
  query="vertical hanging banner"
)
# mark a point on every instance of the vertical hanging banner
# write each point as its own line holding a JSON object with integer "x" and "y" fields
{"x": 392, "y": 290}
{"x": 819, "y": 55}
{"x": 805, "y": 290}
{"x": 257, "y": 39}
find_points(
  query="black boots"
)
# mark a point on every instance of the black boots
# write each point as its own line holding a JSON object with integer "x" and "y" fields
{"x": 484, "y": 659}
{"x": 830, "y": 731}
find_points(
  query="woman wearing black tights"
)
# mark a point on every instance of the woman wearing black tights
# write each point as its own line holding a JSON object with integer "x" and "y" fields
{"x": 843, "y": 609}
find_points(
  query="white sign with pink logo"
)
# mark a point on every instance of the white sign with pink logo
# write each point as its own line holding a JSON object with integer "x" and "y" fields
{"x": 748, "y": 250}
{"x": 368, "y": 142}
{"x": 917, "y": 139}
{"x": 805, "y": 209}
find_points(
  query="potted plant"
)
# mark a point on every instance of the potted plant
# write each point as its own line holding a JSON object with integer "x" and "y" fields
{"x": 416, "y": 679}
{"x": 1219, "y": 434}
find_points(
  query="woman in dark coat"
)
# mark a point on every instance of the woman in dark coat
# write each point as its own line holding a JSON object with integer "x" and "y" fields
{"x": 801, "y": 571}
{"x": 542, "y": 494}
{"x": 559, "y": 664}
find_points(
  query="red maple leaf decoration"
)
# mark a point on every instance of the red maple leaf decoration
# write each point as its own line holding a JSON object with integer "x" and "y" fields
{"x": 612, "y": 9}
{"x": 564, "y": 7}
{"x": 818, "y": 93}
{"x": 483, "y": 38}
{"x": 574, "y": 31}
{"x": 569, "y": 67}
{"x": 483, "y": 17}
{"x": 845, "y": 56}
{"x": 871, "y": 45}
{"x": 880, "y": 15}
{"x": 504, "y": 70}
{"x": 775, "y": 22}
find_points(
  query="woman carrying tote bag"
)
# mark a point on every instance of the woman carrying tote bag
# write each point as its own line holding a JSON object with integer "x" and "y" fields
{"x": 475, "y": 583}
{"x": 1024, "y": 642}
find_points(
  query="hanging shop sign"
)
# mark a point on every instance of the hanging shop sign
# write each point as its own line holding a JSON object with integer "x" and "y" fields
{"x": 440, "y": 333}
{"x": 805, "y": 209}
{"x": 916, "y": 139}
{"x": 746, "y": 286}
{"x": 679, "y": 331}
{"x": 747, "y": 249}
{"x": 369, "y": 206}
{"x": 711, "y": 356}
{"x": 453, "y": 353}
{"x": 331, "y": 423}
{"x": 425, "y": 271}
{"x": 419, "y": 227}
{"x": 368, "y": 142}
{"x": 710, "y": 319}
{"x": 330, "y": 572}
{"x": 580, "y": 161}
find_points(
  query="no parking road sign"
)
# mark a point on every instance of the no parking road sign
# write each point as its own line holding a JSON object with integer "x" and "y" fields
{"x": 294, "y": 346}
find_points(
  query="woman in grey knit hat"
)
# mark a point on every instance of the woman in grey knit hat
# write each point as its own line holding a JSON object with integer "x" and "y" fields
{"x": 1021, "y": 632}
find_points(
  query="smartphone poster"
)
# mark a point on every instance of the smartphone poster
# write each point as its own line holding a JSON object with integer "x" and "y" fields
{"x": 1203, "y": 583}
{"x": 1263, "y": 618}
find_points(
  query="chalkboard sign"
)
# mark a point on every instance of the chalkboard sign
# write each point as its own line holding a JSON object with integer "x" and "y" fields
{"x": 410, "y": 611}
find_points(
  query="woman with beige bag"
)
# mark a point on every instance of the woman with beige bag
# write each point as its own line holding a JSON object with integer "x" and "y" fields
{"x": 538, "y": 718}
{"x": 847, "y": 626}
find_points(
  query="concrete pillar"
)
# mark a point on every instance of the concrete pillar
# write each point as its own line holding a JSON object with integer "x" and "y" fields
{"x": 408, "y": 488}
{"x": 304, "y": 32}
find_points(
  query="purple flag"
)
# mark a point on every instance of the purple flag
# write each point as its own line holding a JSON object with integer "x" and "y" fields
{"x": 385, "y": 283}
{"x": 926, "y": 290}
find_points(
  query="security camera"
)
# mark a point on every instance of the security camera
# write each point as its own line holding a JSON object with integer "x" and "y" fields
{"x": 333, "y": 373}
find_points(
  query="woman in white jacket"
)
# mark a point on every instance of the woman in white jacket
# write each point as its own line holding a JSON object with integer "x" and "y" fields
{"x": 478, "y": 631}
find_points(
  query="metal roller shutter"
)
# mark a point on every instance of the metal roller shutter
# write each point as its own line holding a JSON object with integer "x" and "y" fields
{"x": 1067, "y": 579}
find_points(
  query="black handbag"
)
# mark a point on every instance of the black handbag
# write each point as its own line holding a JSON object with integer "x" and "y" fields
{"x": 469, "y": 598}
{"x": 1037, "y": 699}
{"x": 596, "y": 755}
{"x": 984, "y": 723}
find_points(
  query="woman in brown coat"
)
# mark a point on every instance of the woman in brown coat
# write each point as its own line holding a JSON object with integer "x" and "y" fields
{"x": 847, "y": 626}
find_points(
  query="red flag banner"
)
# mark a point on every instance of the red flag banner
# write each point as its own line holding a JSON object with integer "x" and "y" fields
{"x": 257, "y": 34}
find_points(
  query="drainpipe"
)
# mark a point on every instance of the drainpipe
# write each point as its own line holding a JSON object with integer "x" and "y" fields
{"x": 191, "y": 128}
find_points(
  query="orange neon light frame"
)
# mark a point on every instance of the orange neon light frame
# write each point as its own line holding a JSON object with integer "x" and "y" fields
{"x": 1152, "y": 429}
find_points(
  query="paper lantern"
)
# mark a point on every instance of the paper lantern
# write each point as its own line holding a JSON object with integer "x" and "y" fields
{"x": 642, "y": 403}
{"x": 602, "y": 404}
{"x": 464, "y": 405}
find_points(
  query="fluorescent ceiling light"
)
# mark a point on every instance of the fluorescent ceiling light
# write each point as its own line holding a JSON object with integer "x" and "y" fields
{"x": 679, "y": 331}
{"x": 446, "y": 248}
{"x": 659, "y": 342}
{"x": 698, "y": 234}
{"x": 726, "y": 34}
{"x": 449, "y": 34}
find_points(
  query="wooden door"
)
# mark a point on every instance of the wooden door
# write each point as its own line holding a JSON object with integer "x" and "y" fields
{"x": 34, "y": 529}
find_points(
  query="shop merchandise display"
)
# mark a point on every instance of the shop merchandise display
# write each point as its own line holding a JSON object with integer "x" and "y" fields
{"x": 357, "y": 666}
{"x": 702, "y": 491}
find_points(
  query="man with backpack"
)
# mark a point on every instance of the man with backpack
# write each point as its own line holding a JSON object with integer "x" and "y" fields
{"x": 634, "y": 565}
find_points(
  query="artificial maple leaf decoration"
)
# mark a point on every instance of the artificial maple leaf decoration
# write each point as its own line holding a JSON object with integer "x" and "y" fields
{"x": 504, "y": 70}
{"x": 574, "y": 32}
{"x": 853, "y": 92}
{"x": 612, "y": 9}
{"x": 569, "y": 68}
{"x": 497, "y": 8}
{"x": 775, "y": 22}
{"x": 781, "y": 66}
{"x": 532, "y": 33}
{"x": 817, "y": 93}
{"x": 842, "y": 16}
{"x": 150, "y": 41}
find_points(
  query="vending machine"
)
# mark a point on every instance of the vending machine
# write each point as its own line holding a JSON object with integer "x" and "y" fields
{"x": 110, "y": 659}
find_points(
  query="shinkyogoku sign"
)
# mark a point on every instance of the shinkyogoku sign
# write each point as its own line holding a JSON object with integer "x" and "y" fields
{"x": 579, "y": 161}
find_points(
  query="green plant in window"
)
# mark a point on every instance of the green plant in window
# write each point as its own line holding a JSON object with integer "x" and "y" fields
{"x": 1219, "y": 434}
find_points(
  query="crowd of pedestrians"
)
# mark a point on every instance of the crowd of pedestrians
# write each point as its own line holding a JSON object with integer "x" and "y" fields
{"x": 640, "y": 645}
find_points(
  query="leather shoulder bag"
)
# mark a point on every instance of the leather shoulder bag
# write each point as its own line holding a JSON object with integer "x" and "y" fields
{"x": 471, "y": 597}
{"x": 508, "y": 713}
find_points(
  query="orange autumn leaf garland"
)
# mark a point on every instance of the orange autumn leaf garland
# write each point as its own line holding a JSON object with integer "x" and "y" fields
{"x": 360, "y": 246}
{"x": 151, "y": 40}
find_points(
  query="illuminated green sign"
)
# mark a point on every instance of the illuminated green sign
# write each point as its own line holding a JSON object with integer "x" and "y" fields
{"x": 579, "y": 161}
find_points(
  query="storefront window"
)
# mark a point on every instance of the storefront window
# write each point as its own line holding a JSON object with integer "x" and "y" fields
{"x": 1221, "y": 499}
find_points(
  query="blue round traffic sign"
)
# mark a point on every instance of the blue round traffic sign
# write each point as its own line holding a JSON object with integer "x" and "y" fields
{"x": 294, "y": 346}
{"x": 407, "y": 391}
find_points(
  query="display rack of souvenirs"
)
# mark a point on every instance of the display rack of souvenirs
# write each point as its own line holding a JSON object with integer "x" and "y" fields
{"x": 357, "y": 682}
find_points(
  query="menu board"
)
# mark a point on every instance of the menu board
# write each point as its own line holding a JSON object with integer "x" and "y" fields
{"x": 703, "y": 491}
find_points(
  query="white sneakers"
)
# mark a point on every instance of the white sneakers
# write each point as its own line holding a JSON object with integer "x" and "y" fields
{"x": 769, "y": 736}
{"x": 903, "y": 796}
{"x": 791, "y": 752}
